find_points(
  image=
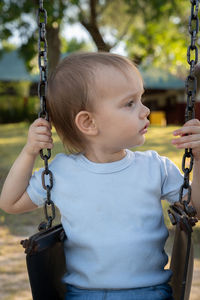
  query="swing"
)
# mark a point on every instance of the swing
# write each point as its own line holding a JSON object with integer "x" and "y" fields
{"x": 45, "y": 257}
{"x": 45, "y": 250}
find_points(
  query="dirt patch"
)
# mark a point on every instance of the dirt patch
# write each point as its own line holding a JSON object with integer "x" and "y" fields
{"x": 14, "y": 284}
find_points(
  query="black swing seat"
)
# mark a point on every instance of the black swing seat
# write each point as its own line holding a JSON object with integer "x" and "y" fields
{"x": 46, "y": 263}
{"x": 180, "y": 254}
{"x": 182, "y": 259}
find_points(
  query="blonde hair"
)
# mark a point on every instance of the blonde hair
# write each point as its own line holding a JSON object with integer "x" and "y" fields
{"x": 71, "y": 88}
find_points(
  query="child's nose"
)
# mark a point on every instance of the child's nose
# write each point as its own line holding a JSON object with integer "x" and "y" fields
{"x": 145, "y": 111}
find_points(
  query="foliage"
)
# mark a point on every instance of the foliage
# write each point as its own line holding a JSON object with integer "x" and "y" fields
{"x": 21, "y": 16}
{"x": 99, "y": 18}
{"x": 15, "y": 103}
{"x": 15, "y": 108}
{"x": 15, "y": 88}
{"x": 74, "y": 45}
{"x": 154, "y": 31}
{"x": 159, "y": 34}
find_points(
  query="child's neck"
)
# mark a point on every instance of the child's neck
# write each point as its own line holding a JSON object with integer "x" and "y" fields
{"x": 105, "y": 157}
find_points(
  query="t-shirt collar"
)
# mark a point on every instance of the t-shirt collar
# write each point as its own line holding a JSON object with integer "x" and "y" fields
{"x": 106, "y": 167}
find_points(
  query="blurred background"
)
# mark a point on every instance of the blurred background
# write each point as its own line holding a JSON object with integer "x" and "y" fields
{"x": 153, "y": 34}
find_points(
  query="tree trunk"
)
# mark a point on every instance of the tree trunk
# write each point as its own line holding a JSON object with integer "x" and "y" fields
{"x": 92, "y": 27}
{"x": 96, "y": 36}
{"x": 53, "y": 41}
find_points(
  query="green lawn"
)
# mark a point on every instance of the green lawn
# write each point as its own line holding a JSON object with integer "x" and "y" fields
{"x": 13, "y": 137}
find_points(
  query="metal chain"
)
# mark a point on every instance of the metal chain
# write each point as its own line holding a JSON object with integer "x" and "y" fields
{"x": 191, "y": 89}
{"x": 42, "y": 88}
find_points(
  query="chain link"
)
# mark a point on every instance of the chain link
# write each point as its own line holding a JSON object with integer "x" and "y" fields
{"x": 191, "y": 89}
{"x": 42, "y": 88}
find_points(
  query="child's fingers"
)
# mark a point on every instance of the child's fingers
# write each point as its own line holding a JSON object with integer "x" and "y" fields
{"x": 44, "y": 138}
{"x": 186, "y": 139}
{"x": 42, "y": 122}
{"x": 187, "y": 130}
{"x": 191, "y": 125}
{"x": 44, "y": 145}
{"x": 44, "y": 141}
{"x": 43, "y": 130}
{"x": 189, "y": 135}
{"x": 192, "y": 145}
{"x": 192, "y": 122}
{"x": 41, "y": 126}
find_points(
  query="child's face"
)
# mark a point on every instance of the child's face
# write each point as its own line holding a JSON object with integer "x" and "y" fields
{"x": 120, "y": 115}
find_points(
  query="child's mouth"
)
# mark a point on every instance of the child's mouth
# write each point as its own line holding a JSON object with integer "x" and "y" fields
{"x": 144, "y": 130}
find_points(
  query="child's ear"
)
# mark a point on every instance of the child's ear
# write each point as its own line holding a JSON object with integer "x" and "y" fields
{"x": 86, "y": 123}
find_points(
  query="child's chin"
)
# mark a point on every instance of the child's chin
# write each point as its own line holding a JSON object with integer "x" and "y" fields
{"x": 140, "y": 144}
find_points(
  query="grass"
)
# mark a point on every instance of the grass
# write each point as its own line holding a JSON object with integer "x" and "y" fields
{"x": 13, "y": 138}
{"x": 159, "y": 139}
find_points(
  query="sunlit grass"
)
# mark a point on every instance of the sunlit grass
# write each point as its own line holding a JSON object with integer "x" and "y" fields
{"x": 159, "y": 139}
{"x": 13, "y": 138}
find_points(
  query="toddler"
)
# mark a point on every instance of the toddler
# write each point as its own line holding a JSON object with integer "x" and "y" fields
{"x": 109, "y": 197}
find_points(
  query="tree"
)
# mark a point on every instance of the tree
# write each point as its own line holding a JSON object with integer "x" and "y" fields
{"x": 159, "y": 34}
{"x": 95, "y": 17}
{"x": 154, "y": 31}
{"x": 92, "y": 14}
{"x": 21, "y": 15}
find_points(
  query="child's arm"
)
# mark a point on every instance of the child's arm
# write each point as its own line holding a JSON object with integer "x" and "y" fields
{"x": 14, "y": 198}
{"x": 192, "y": 140}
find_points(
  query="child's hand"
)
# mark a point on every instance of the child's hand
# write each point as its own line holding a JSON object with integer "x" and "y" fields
{"x": 189, "y": 137}
{"x": 39, "y": 137}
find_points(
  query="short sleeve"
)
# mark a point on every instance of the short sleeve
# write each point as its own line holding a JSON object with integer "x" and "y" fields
{"x": 172, "y": 179}
{"x": 35, "y": 189}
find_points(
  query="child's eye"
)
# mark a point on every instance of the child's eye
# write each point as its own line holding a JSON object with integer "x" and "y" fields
{"x": 130, "y": 104}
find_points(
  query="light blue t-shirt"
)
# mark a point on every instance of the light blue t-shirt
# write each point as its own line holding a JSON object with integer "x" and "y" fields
{"x": 112, "y": 216}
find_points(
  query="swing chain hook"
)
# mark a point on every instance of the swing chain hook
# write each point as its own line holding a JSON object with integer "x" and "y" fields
{"x": 191, "y": 90}
{"x": 42, "y": 89}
